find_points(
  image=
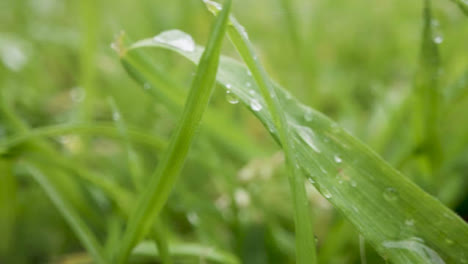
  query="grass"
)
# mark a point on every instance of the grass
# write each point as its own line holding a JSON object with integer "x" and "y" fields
{"x": 337, "y": 144}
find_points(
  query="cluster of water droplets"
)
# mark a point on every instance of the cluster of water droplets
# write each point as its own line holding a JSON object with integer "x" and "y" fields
{"x": 436, "y": 33}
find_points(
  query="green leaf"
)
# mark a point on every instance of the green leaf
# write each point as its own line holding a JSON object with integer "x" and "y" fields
{"x": 161, "y": 184}
{"x": 305, "y": 244}
{"x": 401, "y": 221}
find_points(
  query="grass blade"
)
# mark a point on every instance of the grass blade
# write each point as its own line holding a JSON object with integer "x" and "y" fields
{"x": 147, "y": 249}
{"x": 162, "y": 182}
{"x": 395, "y": 216}
{"x": 87, "y": 238}
{"x": 305, "y": 244}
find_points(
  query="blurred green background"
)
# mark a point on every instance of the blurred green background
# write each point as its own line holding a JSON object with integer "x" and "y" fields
{"x": 355, "y": 61}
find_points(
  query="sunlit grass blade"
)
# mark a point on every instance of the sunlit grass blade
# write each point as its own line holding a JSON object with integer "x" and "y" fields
{"x": 305, "y": 245}
{"x": 147, "y": 249}
{"x": 82, "y": 231}
{"x": 402, "y": 222}
{"x": 156, "y": 193}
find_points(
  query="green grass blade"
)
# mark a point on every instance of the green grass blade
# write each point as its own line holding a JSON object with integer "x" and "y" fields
{"x": 463, "y": 5}
{"x": 87, "y": 238}
{"x": 162, "y": 182}
{"x": 426, "y": 98}
{"x": 305, "y": 244}
{"x": 395, "y": 216}
{"x": 147, "y": 249}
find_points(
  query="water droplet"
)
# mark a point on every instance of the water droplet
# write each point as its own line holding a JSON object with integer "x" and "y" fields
{"x": 307, "y": 134}
{"x": 435, "y": 22}
{"x": 308, "y": 115}
{"x": 323, "y": 170}
{"x": 251, "y": 92}
{"x": 316, "y": 239}
{"x": 242, "y": 197}
{"x": 416, "y": 246}
{"x": 337, "y": 159}
{"x": 449, "y": 241}
{"x": 248, "y": 84}
{"x": 249, "y": 73}
{"x": 311, "y": 180}
{"x": 146, "y": 86}
{"x": 229, "y": 86}
{"x": 13, "y": 56}
{"x": 255, "y": 105}
{"x": 77, "y": 94}
{"x": 326, "y": 193}
{"x": 409, "y": 222}
{"x": 192, "y": 217}
{"x": 353, "y": 184}
{"x": 438, "y": 39}
{"x": 231, "y": 98}
{"x": 390, "y": 194}
{"x": 177, "y": 39}
{"x": 213, "y": 7}
{"x": 116, "y": 116}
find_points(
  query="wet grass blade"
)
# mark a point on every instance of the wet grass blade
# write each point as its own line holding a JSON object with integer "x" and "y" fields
{"x": 305, "y": 244}
{"x": 147, "y": 249}
{"x": 163, "y": 180}
{"x": 85, "y": 235}
{"x": 402, "y": 222}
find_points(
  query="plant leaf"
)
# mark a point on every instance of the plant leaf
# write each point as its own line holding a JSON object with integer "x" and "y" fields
{"x": 401, "y": 221}
{"x": 157, "y": 192}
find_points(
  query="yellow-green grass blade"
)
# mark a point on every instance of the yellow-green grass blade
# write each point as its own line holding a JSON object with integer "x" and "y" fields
{"x": 82, "y": 231}
{"x": 305, "y": 244}
{"x": 402, "y": 222}
{"x": 156, "y": 193}
{"x": 180, "y": 250}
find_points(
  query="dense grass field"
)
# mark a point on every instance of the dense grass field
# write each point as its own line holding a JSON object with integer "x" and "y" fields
{"x": 281, "y": 131}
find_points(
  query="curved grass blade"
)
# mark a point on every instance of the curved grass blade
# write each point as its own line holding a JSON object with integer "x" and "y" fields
{"x": 147, "y": 249}
{"x": 163, "y": 180}
{"x": 305, "y": 244}
{"x": 76, "y": 223}
{"x": 463, "y": 5}
{"x": 395, "y": 216}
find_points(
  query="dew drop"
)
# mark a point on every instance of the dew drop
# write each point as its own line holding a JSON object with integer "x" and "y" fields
{"x": 308, "y": 115}
{"x": 146, "y": 86}
{"x": 326, "y": 194}
{"x": 255, "y": 105}
{"x": 390, "y": 194}
{"x": 251, "y": 92}
{"x": 231, "y": 98}
{"x": 438, "y": 39}
{"x": 77, "y": 94}
{"x": 229, "y": 86}
{"x": 307, "y": 134}
{"x": 409, "y": 222}
{"x": 249, "y": 73}
{"x": 192, "y": 217}
{"x": 116, "y": 116}
{"x": 13, "y": 56}
{"x": 337, "y": 159}
{"x": 353, "y": 184}
{"x": 177, "y": 39}
{"x": 248, "y": 84}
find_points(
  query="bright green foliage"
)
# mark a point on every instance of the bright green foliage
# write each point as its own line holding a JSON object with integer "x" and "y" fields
{"x": 84, "y": 124}
{"x": 163, "y": 180}
{"x": 391, "y": 212}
